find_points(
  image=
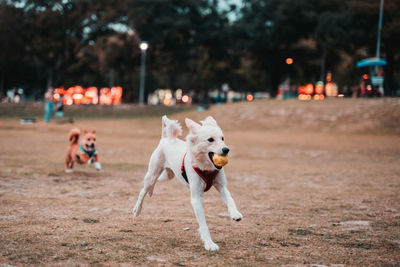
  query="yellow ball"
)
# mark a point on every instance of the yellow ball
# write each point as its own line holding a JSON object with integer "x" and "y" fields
{"x": 220, "y": 160}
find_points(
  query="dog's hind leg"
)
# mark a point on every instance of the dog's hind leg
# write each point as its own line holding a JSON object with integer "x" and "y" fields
{"x": 156, "y": 167}
{"x": 69, "y": 163}
{"x": 167, "y": 174}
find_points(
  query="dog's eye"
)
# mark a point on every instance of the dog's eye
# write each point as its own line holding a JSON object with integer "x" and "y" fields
{"x": 222, "y": 138}
{"x": 210, "y": 140}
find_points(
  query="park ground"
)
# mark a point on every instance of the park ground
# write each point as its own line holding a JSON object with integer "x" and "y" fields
{"x": 318, "y": 183}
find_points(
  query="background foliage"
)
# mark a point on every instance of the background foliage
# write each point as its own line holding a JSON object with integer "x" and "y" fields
{"x": 194, "y": 44}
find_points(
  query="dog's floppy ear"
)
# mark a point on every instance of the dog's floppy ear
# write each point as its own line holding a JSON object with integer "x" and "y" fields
{"x": 192, "y": 126}
{"x": 85, "y": 131}
{"x": 209, "y": 121}
{"x": 94, "y": 132}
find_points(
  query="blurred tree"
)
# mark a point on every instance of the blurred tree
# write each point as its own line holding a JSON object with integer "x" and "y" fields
{"x": 189, "y": 42}
{"x": 193, "y": 43}
{"x": 12, "y": 53}
{"x": 58, "y": 33}
{"x": 308, "y": 31}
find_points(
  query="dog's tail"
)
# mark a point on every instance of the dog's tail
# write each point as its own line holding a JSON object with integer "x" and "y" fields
{"x": 74, "y": 135}
{"x": 170, "y": 128}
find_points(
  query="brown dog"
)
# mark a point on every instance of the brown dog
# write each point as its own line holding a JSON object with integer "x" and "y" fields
{"x": 82, "y": 153}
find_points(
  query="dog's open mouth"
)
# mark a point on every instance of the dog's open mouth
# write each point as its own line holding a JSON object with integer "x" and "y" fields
{"x": 89, "y": 147}
{"x": 218, "y": 160}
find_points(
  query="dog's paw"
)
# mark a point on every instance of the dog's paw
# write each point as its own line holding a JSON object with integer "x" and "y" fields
{"x": 236, "y": 216}
{"x": 136, "y": 211}
{"x": 68, "y": 170}
{"x": 210, "y": 245}
{"x": 90, "y": 161}
{"x": 97, "y": 166}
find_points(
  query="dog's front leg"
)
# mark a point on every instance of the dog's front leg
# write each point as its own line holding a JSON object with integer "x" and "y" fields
{"x": 97, "y": 164}
{"x": 226, "y": 197}
{"x": 196, "y": 199}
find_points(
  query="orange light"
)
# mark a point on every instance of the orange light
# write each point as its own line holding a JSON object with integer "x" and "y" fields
{"x": 116, "y": 93}
{"x": 319, "y": 97}
{"x": 319, "y": 89}
{"x": 365, "y": 76}
{"x": 289, "y": 61}
{"x": 309, "y": 89}
{"x": 167, "y": 101}
{"x": 329, "y": 77}
{"x": 105, "y": 96}
{"x": 331, "y": 89}
{"x": 304, "y": 97}
{"x": 249, "y": 97}
{"x": 77, "y": 96}
{"x": 185, "y": 98}
{"x": 90, "y": 94}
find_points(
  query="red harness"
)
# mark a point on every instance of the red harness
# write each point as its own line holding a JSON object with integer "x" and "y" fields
{"x": 207, "y": 176}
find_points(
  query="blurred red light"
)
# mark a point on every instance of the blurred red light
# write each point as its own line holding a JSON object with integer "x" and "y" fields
{"x": 319, "y": 89}
{"x": 185, "y": 98}
{"x": 249, "y": 97}
{"x": 309, "y": 89}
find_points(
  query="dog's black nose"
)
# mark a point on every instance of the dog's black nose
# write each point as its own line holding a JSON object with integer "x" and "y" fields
{"x": 225, "y": 150}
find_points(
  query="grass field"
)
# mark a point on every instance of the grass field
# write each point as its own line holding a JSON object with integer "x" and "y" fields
{"x": 317, "y": 183}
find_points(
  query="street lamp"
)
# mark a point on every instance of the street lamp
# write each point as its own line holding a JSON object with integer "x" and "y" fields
{"x": 143, "y": 47}
{"x": 289, "y": 61}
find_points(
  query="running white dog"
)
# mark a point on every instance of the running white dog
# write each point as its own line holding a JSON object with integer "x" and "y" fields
{"x": 192, "y": 162}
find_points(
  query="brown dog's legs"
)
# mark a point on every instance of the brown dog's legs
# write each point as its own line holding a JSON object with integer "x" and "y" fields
{"x": 69, "y": 163}
{"x": 97, "y": 164}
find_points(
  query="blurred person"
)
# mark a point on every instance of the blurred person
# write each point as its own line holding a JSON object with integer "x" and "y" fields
{"x": 48, "y": 105}
{"x": 354, "y": 91}
{"x": 60, "y": 106}
{"x": 363, "y": 89}
{"x": 18, "y": 92}
{"x": 10, "y": 95}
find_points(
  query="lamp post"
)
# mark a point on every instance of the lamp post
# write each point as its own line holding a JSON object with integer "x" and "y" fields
{"x": 378, "y": 41}
{"x": 143, "y": 47}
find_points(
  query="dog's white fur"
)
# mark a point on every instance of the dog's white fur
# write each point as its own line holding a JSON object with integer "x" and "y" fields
{"x": 166, "y": 161}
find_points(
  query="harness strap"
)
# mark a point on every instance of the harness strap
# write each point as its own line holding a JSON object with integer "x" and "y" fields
{"x": 89, "y": 153}
{"x": 207, "y": 176}
{"x": 183, "y": 171}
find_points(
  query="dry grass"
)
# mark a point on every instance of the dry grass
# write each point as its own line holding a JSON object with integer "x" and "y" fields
{"x": 312, "y": 189}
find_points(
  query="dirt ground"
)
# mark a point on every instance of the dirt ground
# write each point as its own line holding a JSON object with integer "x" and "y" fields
{"x": 317, "y": 184}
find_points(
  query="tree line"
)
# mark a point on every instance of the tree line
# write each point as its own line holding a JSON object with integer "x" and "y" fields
{"x": 193, "y": 44}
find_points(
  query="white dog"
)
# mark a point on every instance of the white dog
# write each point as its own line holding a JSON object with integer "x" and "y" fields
{"x": 192, "y": 163}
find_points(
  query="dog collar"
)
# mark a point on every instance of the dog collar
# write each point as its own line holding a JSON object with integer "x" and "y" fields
{"x": 207, "y": 176}
{"x": 89, "y": 153}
